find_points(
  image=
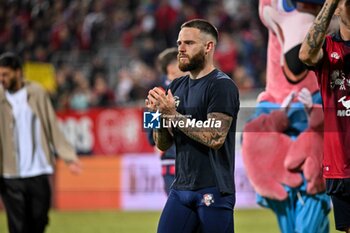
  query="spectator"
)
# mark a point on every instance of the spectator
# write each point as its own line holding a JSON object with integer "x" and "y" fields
{"x": 102, "y": 95}
{"x": 81, "y": 96}
{"x": 78, "y": 31}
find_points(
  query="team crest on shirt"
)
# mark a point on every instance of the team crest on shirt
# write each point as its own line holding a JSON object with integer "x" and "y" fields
{"x": 208, "y": 199}
{"x": 177, "y": 101}
{"x": 335, "y": 55}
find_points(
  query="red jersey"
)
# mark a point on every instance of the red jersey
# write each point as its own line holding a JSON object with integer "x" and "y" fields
{"x": 334, "y": 81}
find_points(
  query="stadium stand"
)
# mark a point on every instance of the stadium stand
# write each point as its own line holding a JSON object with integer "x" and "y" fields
{"x": 104, "y": 51}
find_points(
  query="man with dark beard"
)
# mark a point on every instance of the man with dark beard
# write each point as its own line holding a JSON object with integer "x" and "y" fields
{"x": 29, "y": 140}
{"x": 202, "y": 110}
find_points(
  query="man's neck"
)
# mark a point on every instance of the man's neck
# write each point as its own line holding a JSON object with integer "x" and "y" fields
{"x": 345, "y": 33}
{"x": 201, "y": 73}
{"x": 18, "y": 87}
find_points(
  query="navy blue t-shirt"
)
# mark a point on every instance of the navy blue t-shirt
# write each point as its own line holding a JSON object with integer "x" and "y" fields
{"x": 198, "y": 166}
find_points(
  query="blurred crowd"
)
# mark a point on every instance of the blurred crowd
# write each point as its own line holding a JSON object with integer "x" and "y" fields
{"x": 104, "y": 51}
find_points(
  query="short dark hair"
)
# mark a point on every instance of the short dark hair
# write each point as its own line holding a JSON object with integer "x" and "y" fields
{"x": 204, "y": 26}
{"x": 10, "y": 60}
{"x": 166, "y": 57}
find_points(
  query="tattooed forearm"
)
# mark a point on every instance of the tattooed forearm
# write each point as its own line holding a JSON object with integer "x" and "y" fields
{"x": 311, "y": 49}
{"x": 318, "y": 30}
{"x": 213, "y": 136}
{"x": 163, "y": 139}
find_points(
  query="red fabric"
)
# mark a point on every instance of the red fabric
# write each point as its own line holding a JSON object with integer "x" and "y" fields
{"x": 163, "y": 170}
{"x": 316, "y": 118}
{"x": 306, "y": 153}
{"x": 264, "y": 150}
{"x": 165, "y": 17}
{"x": 168, "y": 170}
{"x": 172, "y": 170}
{"x": 333, "y": 79}
{"x": 227, "y": 59}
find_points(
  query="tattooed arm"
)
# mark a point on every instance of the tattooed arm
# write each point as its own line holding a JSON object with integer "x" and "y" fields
{"x": 163, "y": 139}
{"x": 213, "y": 137}
{"x": 311, "y": 49}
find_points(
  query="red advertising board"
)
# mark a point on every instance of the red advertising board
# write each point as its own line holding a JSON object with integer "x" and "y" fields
{"x": 109, "y": 131}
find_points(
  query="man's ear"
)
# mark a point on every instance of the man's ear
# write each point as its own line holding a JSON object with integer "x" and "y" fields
{"x": 209, "y": 46}
{"x": 337, "y": 11}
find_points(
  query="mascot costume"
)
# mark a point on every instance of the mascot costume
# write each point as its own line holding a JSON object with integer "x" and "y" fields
{"x": 282, "y": 143}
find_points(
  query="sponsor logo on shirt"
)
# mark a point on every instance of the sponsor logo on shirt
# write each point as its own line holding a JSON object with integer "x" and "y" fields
{"x": 346, "y": 104}
{"x": 177, "y": 101}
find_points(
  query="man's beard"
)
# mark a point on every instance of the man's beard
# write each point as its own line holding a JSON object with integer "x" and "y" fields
{"x": 197, "y": 62}
{"x": 12, "y": 85}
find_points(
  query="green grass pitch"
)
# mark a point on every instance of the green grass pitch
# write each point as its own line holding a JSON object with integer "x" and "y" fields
{"x": 246, "y": 221}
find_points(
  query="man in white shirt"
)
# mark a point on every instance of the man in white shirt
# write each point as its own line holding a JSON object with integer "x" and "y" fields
{"x": 29, "y": 140}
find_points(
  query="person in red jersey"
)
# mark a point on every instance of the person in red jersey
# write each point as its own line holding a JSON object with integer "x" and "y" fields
{"x": 329, "y": 55}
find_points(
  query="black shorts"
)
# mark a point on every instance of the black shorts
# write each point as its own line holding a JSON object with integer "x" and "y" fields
{"x": 339, "y": 190}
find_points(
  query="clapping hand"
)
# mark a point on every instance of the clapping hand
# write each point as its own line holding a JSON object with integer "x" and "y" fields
{"x": 158, "y": 100}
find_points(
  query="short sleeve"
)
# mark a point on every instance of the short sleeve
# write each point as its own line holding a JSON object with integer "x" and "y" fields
{"x": 224, "y": 97}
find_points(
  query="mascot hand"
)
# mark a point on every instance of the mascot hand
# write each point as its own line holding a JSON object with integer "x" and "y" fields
{"x": 304, "y": 96}
{"x": 305, "y": 154}
{"x": 264, "y": 149}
